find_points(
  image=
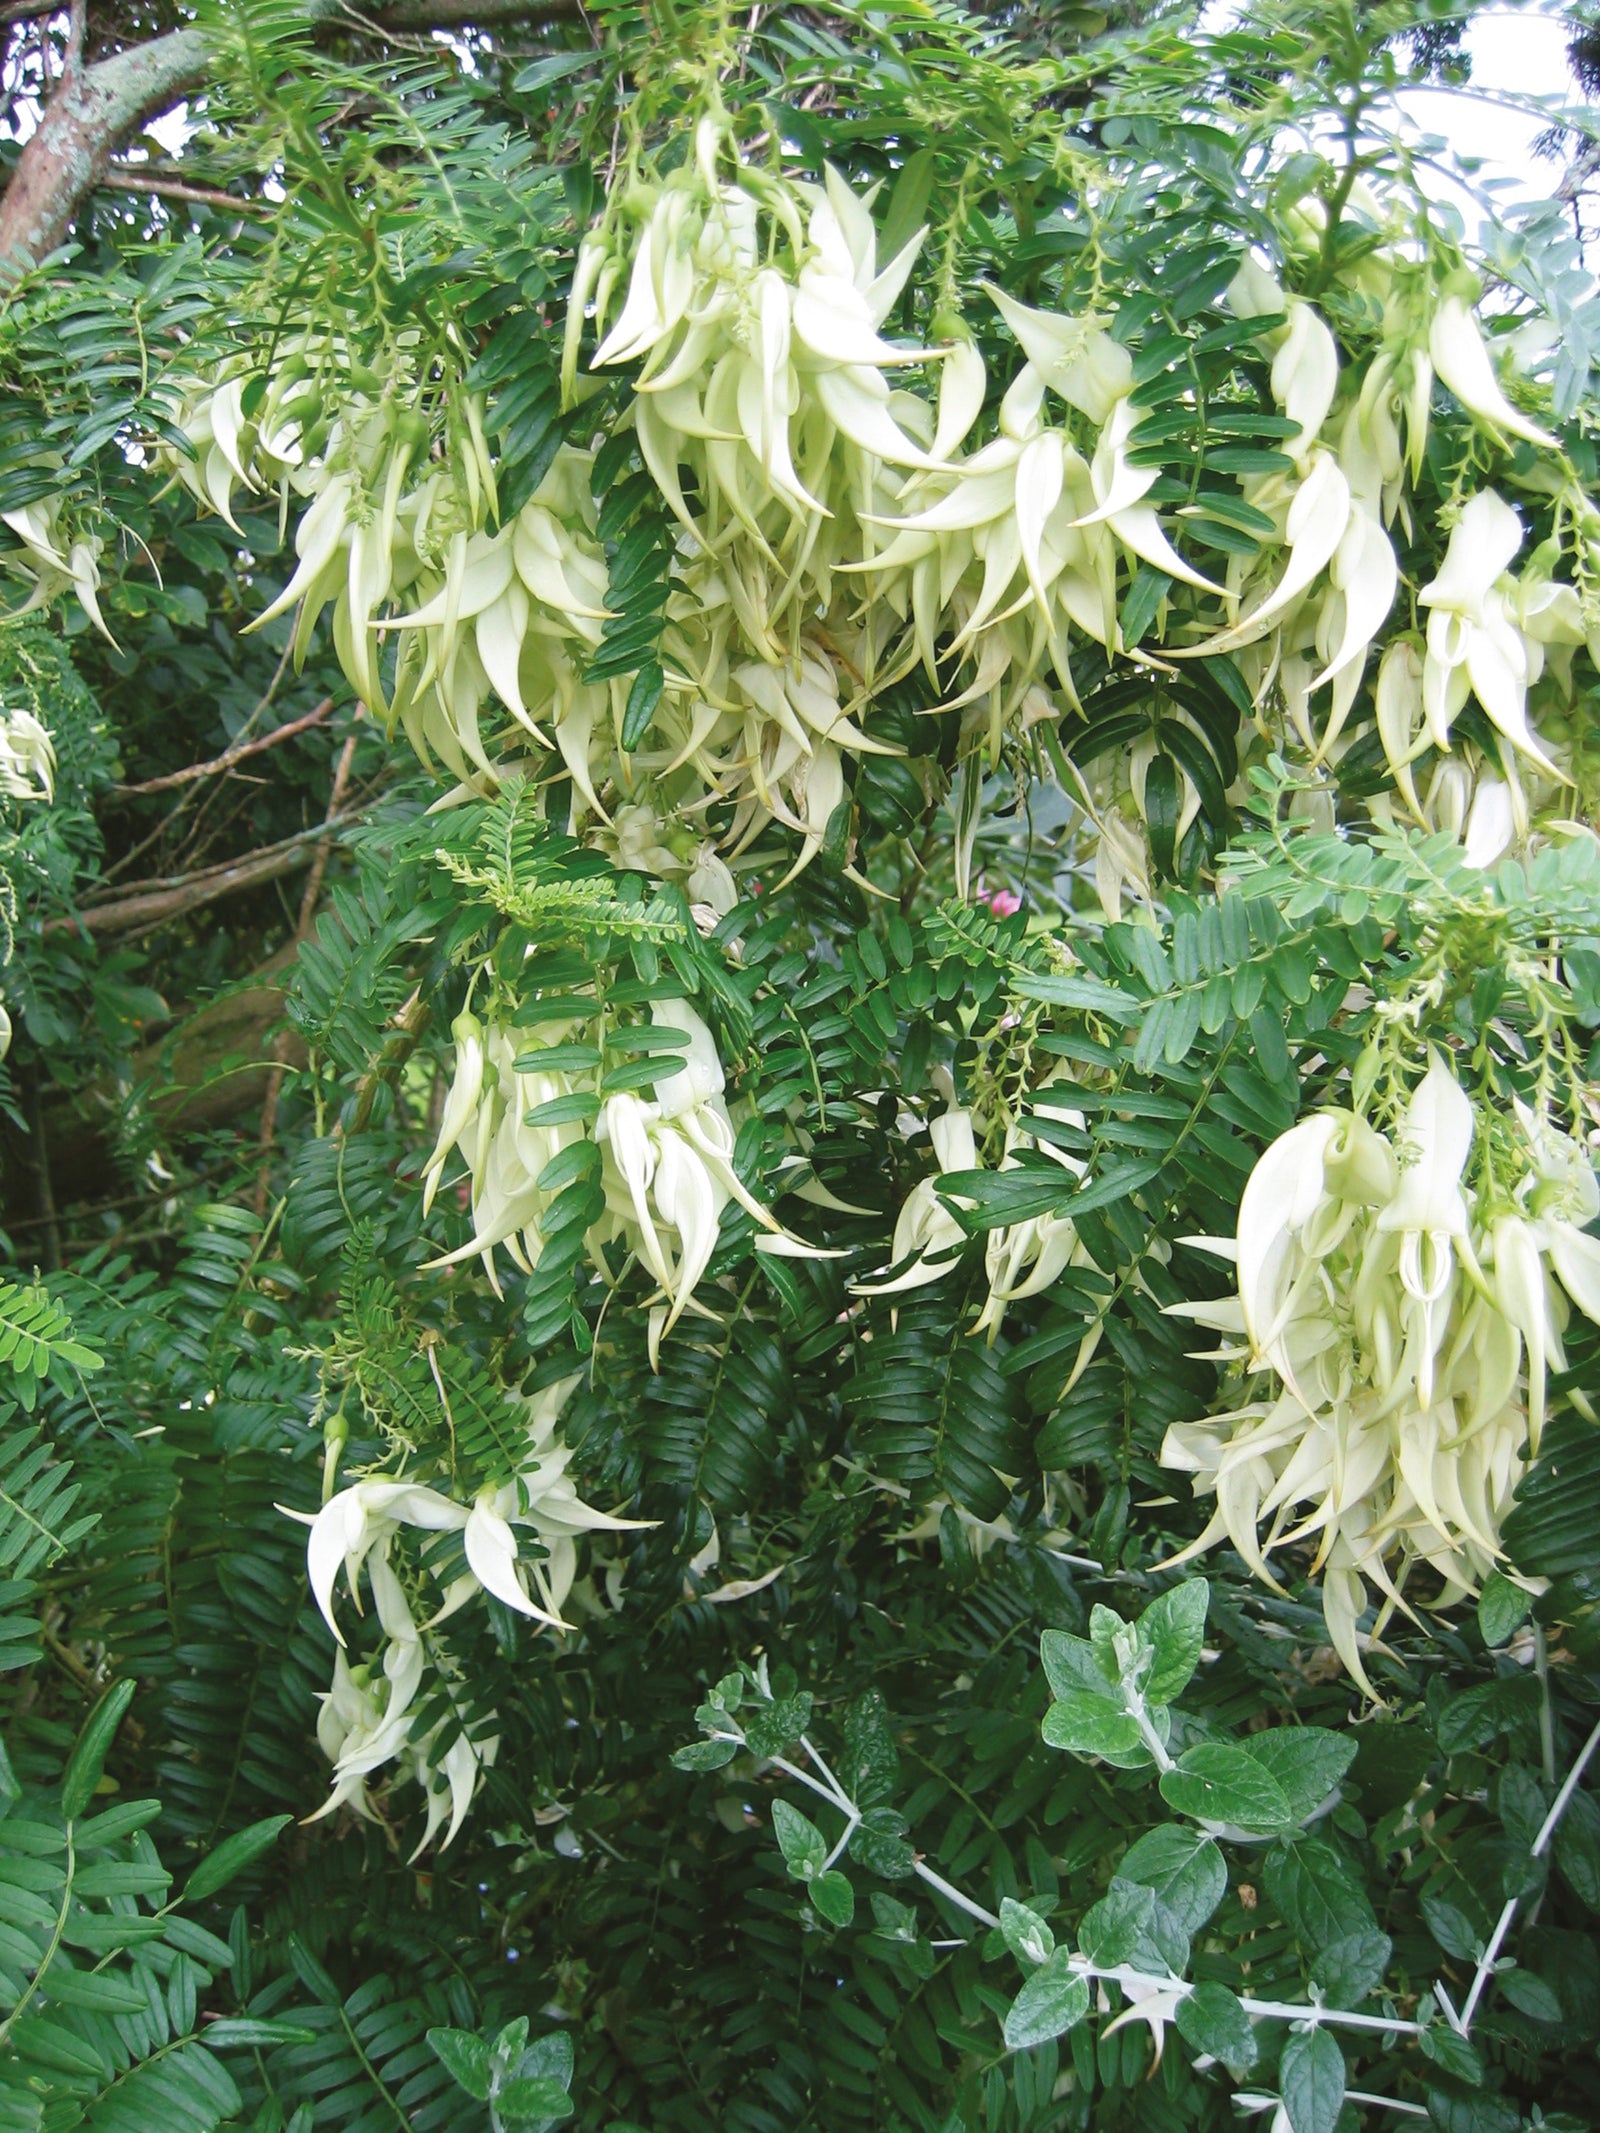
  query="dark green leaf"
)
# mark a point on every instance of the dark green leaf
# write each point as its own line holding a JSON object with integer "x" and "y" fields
{"x": 86, "y": 1765}
{"x": 1212, "y": 2020}
{"x": 1311, "y": 2082}
{"x": 232, "y": 1856}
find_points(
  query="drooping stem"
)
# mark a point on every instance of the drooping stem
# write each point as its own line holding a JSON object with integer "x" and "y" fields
{"x": 1547, "y": 1829}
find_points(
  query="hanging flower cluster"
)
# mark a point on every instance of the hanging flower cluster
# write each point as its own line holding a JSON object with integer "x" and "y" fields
{"x": 666, "y": 1162}
{"x": 27, "y": 757}
{"x": 1310, "y": 605}
{"x": 53, "y": 561}
{"x": 372, "y": 1714}
{"x": 1021, "y": 1259}
{"x": 1408, "y": 1292}
{"x": 849, "y": 517}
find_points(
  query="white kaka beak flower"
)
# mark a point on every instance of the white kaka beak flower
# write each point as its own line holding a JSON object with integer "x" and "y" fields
{"x": 1305, "y": 374}
{"x": 1073, "y": 356}
{"x": 1472, "y": 641}
{"x": 27, "y": 758}
{"x": 491, "y": 1551}
{"x": 1284, "y": 1191}
{"x": 962, "y": 385}
{"x": 1429, "y": 1210}
{"x": 461, "y": 1105}
{"x": 1491, "y": 821}
{"x": 1316, "y": 525}
{"x": 1459, "y": 355}
{"x": 925, "y": 1228}
{"x": 1435, "y": 1140}
{"x": 687, "y": 1198}
{"x": 1522, "y": 1292}
{"x": 1401, "y": 723}
{"x": 1482, "y": 548}
{"x": 1575, "y": 1256}
{"x": 352, "y": 1522}
{"x": 1364, "y": 572}
{"x": 700, "y": 1077}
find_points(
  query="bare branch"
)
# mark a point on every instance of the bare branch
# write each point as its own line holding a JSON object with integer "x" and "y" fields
{"x": 77, "y": 29}
{"x": 236, "y": 754}
{"x": 138, "y": 181}
{"x": 151, "y": 903}
{"x": 91, "y": 113}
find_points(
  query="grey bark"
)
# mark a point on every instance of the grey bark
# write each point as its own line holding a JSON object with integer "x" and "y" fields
{"x": 97, "y": 107}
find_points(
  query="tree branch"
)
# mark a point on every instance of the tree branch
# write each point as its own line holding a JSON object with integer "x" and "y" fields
{"x": 229, "y": 756}
{"x": 149, "y": 904}
{"x": 98, "y": 107}
{"x": 138, "y": 181}
{"x": 92, "y": 111}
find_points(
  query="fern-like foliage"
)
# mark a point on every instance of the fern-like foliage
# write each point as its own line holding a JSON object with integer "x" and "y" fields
{"x": 37, "y": 1526}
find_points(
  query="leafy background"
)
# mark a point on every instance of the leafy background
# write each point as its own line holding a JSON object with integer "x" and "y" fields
{"x": 220, "y": 1094}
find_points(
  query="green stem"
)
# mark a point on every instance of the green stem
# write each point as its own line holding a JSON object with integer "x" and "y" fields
{"x": 50, "y": 1953}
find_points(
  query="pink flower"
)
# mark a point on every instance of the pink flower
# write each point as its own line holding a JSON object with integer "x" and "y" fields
{"x": 1003, "y": 903}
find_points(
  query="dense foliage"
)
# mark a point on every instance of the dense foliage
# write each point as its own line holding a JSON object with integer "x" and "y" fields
{"x": 802, "y": 901}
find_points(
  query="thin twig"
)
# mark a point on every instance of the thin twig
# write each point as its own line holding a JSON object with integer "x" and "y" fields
{"x": 135, "y": 181}
{"x": 263, "y": 703}
{"x": 1490, "y": 1955}
{"x": 408, "y": 1025}
{"x": 77, "y": 29}
{"x": 48, "y": 1218}
{"x": 219, "y": 765}
{"x": 308, "y": 911}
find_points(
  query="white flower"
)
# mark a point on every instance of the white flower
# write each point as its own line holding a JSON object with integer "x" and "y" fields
{"x": 1474, "y": 646}
{"x": 461, "y": 1105}
{"x": 27, "y": 757}
{"x": 927, "y": 1236}
{"x": 491, "y": 1550}
{"x": 1456, "y": 346}
{"x": 1410, "y": 1399}
{"x": 350, "y": 1524}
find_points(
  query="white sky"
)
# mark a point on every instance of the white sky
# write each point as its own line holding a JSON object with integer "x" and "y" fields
{"x": 1515, "y": 54}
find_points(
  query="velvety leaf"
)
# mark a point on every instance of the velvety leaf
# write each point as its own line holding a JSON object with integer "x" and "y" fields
{"x": 1183, "y": 1867}
{"x": 1072, "y": 1667}
{"x": 1347, "y": 1970}
{"x": 1212, "y": 2020}
{"x": 1218, "y": 1782}
{"x": 803, "y": 1845}
{"x": 1502, "y": 1608}
{"x": 1113, "y": 1930}
{"x": 1311, "y": 2081}
{"x": 532, "y": 2102}
{"x": 1053, "y": 2001}
{"x": 1027, "y": 1935}
{"x": 1086, "y": 1725}
{"x": 1307, "y": 1762}
{"x": 705, "y": 1754}
{"x": 1175, "y": 1625}
{"x": 1458, "y": 2055}
{"x": 469, "y": 2057}
{"x": 833, "y": 1896}
{"x": 773, "y": 1728}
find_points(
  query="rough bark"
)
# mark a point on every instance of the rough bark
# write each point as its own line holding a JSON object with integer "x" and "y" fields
{"x": 97, "y": 107}
{"x": 94, "y": 108}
